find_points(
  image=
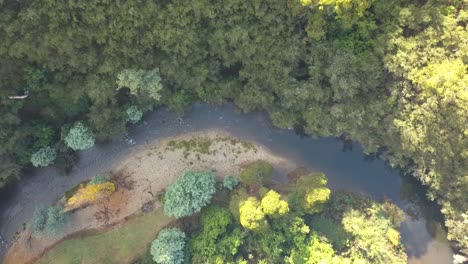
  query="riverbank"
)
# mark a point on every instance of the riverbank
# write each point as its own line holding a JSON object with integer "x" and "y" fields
{"x": 346, "y": 169}
{"x": 143, "y": 175}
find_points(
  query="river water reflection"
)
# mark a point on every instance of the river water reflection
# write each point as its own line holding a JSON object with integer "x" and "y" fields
{"x": 346, "y": 168}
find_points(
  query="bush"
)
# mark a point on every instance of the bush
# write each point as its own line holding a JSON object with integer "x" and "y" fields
{"x": 57, "y": 219}
{"x": 90, "y": 193}
{"x": 43, "y": 157}
{"x": 79, "y": 137}
{"x": 256, "y": 173}
{"x": 230, "y": 182}
{"x": 38, "y": 220}
{"x": 51, "y": 220}
{"x": 133, "y": 114}
{"x": 168, "y": 248}
{"x": 189, "y": 194}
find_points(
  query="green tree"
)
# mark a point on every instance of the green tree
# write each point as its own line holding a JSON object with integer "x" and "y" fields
{"x": 133, "y": 114}
{"x": 141, "y": 83}
{"x": 79, "y": 137}
{"x": 43, "y": 157}
{"x": 168, "y": 247}
{"x": 256, "y": 173}
{"x": 189, "y": 194}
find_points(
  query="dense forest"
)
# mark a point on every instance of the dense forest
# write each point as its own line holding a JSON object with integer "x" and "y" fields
{"x": 391, "y": 75}
{"x": 257, "y": 221}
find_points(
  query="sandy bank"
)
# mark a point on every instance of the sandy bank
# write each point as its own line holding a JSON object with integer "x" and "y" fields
{"x": 143, "y": 175}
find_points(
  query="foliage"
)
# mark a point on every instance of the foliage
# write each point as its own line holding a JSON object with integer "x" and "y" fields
{"x": 79, "y": 137}
{"x": 168, "y": 247}
{"x": 133, "y": 114}
{"x": 256, "y": 172}
{"x": 43, "y": 157}
{"x": 141, "y": 82}
{"x": 273, "y": 205}
{"x": 38, "y": 220}
{"x": 189, "y": 194}
{"x": 374, "y": 233}
{"x": 273, "y": 231}
{"x": 89, "y": 193}
{"x": 332, "y": 230}
{"x": 388, "y": 74}
{"x": 230, "y": 182}
{"x": 217, "y": 242}
{"x": 51, "y": 220}
{"x": 251, "y": 214}
{"x": 311, "y": 193}
{"x": 57, "y": 220}
{"x": 98, "y": 179}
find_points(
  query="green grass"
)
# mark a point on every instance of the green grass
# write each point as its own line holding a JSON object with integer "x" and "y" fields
{"x": 120, "y": 245}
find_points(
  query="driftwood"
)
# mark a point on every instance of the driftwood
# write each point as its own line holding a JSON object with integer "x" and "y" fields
{"x": 19, "y": 97}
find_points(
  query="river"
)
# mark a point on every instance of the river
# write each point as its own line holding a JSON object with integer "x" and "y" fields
{"x": 346, "y": 167}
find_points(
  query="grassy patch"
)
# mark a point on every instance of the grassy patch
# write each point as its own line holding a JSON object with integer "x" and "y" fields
{"x": 121, "y": 245}
{"x": 199, "y": 145}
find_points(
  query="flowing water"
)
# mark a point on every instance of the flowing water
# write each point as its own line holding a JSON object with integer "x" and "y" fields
{"x": 346, "y": 167}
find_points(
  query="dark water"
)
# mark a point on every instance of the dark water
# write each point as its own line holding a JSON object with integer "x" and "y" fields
{"x": 346, "y": 168}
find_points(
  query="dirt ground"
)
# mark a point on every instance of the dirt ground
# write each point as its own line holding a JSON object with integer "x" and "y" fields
{"x": 143, "y": 175}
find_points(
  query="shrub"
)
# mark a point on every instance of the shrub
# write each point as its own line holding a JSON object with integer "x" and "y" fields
{"x": 51, "y": 220}
{"x": 133, "y": 114}
{"x": 256, "y": 173}
{"x": 38, "y": 220}
{"x": 79, "y": 137}
{"x": 57, "y": 219}
{"x": 43, "y": 157}
{"x": 230, "y": 182}
{"x": 90, "y": 193}
{"x": 189, "y": 194}
{"x": 98, "y": 179}
{"x": 168, "y": 247}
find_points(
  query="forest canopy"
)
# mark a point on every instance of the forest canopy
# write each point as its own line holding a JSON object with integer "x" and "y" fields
{"x": 389, "y": 74}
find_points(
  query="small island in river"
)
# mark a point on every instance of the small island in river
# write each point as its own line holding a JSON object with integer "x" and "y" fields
{"x": 208, "y": 197}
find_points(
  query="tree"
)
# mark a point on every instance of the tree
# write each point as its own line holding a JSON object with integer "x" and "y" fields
{"x": 216, "y": 243}
{"x": 256, "y": 173}
{"x": 79, "y": 137}
{"x": 230, "y": 182}
{"x": 251, "y": 214}
{"x": 168, "y": 247}
{"x": 273, "y": 205}
{"x": 189, "y": 194}
{"x": 141, "y": 82}
{"x": 311, "y": 193}
{"x": 43, "y": 157}
{"x": 133, "y": 114}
